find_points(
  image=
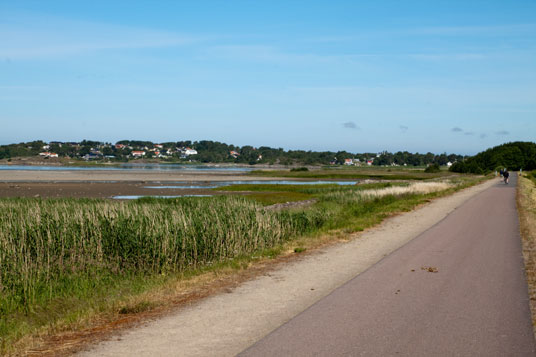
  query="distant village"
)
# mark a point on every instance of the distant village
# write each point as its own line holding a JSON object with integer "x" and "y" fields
{"x": 214, "y": 152}
{"x": 109, "y": 151}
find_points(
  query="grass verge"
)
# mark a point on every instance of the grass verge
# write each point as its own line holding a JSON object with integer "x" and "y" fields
{"x": 526, "y": 203}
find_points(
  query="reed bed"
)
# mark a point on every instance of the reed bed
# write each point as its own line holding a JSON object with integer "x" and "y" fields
{"x": 48, "y": 247}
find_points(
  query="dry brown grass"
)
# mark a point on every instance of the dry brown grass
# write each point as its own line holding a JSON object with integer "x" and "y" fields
{"x": 526, "y": 202}
{"x": 413, "y": 188}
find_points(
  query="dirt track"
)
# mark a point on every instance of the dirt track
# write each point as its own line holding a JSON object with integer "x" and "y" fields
{"x": 226, "y": 324}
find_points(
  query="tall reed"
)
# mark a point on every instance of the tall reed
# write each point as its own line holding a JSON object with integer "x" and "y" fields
{"x": 46, "y": 246}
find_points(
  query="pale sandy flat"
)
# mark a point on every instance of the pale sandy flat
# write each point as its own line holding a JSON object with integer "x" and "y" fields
{"x": 121, "y": 175}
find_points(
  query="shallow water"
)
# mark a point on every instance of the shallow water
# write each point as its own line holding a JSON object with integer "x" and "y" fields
{"x": 134, "y": 197}
{"x": 184, "y": 186}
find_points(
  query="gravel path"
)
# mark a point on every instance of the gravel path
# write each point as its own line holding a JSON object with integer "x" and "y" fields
{"x": 226, "y": 324}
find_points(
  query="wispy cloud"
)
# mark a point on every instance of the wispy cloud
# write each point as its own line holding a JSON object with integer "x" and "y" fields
{"x": 350, "y": 125}
{"x": 437, "y": 31}
{"x": 403, "y": 128}
{"x": 503, "y": 30}
{"x": 502, "y": 132}
{"x": 469, "y": 133}
{"x": 273, "y": 54}
{"x": 57, "y": 38}
{"x": 483, "y": 136}
{"x": 445, "y": 56}
{"x": 456, "y": 130}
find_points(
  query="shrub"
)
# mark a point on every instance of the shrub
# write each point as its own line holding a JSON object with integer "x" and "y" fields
{"x": 434, "y": 168}
{"x": 299, "y": 169}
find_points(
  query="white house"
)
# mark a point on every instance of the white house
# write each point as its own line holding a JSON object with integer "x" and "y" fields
{"x": 189, "y": 151}
{"x": 137, "y": 153}
{"x": 48, "y": 154}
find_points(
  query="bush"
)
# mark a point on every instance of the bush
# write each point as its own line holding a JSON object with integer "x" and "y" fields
{"x": 299, "y": 169}
{"x": 434, "y": 168}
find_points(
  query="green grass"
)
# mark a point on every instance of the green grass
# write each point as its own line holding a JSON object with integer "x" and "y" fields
{"x": 532, "y": 175}
{"x": 354, "y": 173}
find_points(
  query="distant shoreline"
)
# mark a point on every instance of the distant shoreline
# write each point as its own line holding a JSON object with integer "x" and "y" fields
{"x": 69, "y": 162}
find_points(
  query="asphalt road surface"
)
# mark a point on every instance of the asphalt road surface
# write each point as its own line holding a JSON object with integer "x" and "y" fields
{"x": 458, "y": 289}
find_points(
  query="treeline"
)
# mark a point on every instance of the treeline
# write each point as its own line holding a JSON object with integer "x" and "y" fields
{"x": 217, "y": 152}
{"x": 407, "y": 158}
{"x": 513, "y": 156}
{"x": 20, "y": 150}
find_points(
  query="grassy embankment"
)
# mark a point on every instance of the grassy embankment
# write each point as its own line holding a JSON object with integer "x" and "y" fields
{"x": 66, "y": 262}
{"x": 526, "y": 202}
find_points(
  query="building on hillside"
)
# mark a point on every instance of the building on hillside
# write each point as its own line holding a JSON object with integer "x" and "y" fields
{"x": 189, "y": 151}
{"x": 91, "y": 156}
{"x": 348, "y": 162}
{"x": 48, "y": 154}
{"x": 137, "y": 153}
{"x": 234, "y": 154}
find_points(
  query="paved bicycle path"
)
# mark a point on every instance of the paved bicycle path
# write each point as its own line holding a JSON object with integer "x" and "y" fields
{"x": 458, "y": 289}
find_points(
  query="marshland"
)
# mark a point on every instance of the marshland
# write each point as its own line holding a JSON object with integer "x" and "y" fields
{"x": 66, "y": 262}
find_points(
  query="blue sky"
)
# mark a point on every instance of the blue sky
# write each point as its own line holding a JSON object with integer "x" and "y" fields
{"x": 361, "y": 76}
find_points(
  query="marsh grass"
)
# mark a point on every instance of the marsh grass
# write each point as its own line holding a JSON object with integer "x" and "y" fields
{"x": 376, "y": 173}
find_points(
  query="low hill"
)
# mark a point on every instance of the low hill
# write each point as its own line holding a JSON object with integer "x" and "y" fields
{"x": 513, "y": 156}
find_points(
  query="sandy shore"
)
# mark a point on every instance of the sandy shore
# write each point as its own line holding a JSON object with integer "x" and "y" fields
{"x": 107, "y": 184}
{"x": 119, "y": 175}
